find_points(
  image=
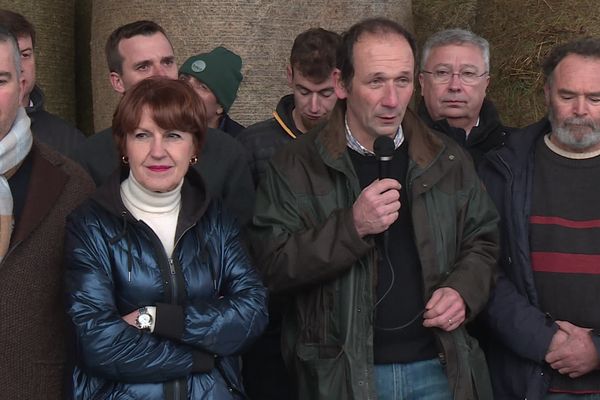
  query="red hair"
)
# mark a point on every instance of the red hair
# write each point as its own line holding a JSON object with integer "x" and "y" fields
{"x": 173, "y": 104}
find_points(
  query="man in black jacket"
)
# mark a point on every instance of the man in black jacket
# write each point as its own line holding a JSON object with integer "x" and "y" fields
{"x": 46, "y": 127}
{"x": 543, "y": 313}
{"x": 139, "y": 50}
{"x": 310, "y": 76}
{"x": 455, "y": 67}
{"x": 215, "y": 77}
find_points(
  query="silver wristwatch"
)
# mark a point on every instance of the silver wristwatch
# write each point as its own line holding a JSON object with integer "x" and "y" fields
{"x": 144, "y": 319}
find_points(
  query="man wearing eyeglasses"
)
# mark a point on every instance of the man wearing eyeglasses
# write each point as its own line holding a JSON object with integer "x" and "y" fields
{"x": 454, "y": 76}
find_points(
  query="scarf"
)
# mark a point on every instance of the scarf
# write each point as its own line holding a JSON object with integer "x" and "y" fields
{"x": 14, "y": 147}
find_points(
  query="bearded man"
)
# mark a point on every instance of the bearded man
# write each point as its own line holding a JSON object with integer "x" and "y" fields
{"x": 543, "y": 314}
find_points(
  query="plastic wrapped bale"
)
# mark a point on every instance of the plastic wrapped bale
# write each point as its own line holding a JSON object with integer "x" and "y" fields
{"x": 261, "y": 32}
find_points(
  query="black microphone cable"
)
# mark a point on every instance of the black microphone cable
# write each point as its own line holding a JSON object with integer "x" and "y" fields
{"x": 384, "y": 148}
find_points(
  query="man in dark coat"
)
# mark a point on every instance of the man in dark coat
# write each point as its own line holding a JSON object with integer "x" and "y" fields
{"x": 364, "y": 315}
{"x": 46, "y": 127}
{"x": 455, "y": 66}
{"x": 309, "y": 75}
{"x": 38, "y": 188}
{"x": 216, "y": 76}
{"x": 543, "y": 313}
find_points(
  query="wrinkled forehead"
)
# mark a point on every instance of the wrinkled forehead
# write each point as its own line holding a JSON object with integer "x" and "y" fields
{"x": 389, "y": 52}
{"x": 576, "y": 71}
{"x": 140, "y": 47}
{"x": 459, "y": 54}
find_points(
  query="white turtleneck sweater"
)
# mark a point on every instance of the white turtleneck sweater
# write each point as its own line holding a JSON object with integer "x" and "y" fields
{"x": 158, "y": 210}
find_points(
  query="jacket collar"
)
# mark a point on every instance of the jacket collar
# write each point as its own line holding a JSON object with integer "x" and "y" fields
{"x": 520, "y": 146}
{"x": 283, "y": 116}
{"x": 423, "y": 145}
{"x": 194, "y": 198}
{"x": 37, "y": 100}
{"x": 489, "y": 121}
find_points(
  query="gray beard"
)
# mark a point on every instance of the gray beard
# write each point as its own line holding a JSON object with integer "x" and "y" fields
{"x": 564, "y": 135}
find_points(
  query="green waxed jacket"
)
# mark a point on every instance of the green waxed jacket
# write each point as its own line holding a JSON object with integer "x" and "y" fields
{"x": 307, "y": 247}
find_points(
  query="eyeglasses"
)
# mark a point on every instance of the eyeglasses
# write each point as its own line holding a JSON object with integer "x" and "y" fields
{"x": 443, "y": 76}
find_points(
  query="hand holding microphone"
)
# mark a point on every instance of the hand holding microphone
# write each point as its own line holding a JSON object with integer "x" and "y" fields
{"x": 376, "y": 208}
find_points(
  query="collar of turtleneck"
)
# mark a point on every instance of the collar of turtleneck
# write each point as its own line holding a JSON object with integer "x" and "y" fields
{"x": 157, "y": 210}
{"x": 148, "y": 201}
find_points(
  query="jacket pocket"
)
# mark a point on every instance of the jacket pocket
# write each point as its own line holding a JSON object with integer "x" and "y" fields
{"x": 322, "y": 371}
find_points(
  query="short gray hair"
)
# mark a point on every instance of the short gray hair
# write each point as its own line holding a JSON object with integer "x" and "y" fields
{"x": 456, "y": 37}
{"x": 7, "y": 37}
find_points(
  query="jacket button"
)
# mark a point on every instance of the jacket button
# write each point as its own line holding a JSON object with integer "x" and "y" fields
{"x": 425, "y": 185}
{"x": 451, "y": 157}
{"x": 360, "y": 383}
{"x": 358, "y": 309}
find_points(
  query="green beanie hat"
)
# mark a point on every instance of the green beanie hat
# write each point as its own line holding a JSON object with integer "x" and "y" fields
{"x": 220, "y": 70}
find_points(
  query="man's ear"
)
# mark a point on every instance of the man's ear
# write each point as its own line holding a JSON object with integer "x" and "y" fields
{"x": 290, "y": 76}
{"x": 116, "y": 82}
{"x": 340, "y": 89}
{"x": 22, "y": 90}
{"x": 547, "y": 94}
{"x": 421, "y": 80}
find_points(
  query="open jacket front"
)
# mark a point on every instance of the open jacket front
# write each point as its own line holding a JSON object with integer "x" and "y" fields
{"x": 306, "y": 245}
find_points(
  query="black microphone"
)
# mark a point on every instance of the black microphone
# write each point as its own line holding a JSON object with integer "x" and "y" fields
{"x": 384, "y": 151}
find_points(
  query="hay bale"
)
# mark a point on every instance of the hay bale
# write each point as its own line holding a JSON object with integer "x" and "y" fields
{"x": 431, "y": 16}
{"x": 521, "y": 33}
{"x": 261, "y": 32}
{"x": 55, "y": 50}
{"x": 83, "y": 72}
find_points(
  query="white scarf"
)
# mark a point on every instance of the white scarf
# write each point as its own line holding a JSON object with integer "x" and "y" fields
{"x": 14, "y": 147}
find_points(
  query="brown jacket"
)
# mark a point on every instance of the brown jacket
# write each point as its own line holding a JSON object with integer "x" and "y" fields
{"x": 32, "y": 317}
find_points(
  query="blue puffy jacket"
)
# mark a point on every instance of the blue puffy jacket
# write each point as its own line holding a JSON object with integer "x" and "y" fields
{"x": 210, "y": 301}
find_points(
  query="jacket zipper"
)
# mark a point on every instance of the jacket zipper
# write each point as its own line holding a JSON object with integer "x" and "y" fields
{"x": 174, "y": 291}
{"x": 174, "y": 287}
{"x": 173, "y": 279}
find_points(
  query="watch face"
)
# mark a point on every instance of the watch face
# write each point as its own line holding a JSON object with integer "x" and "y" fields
{"x": 145, "y": 319}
